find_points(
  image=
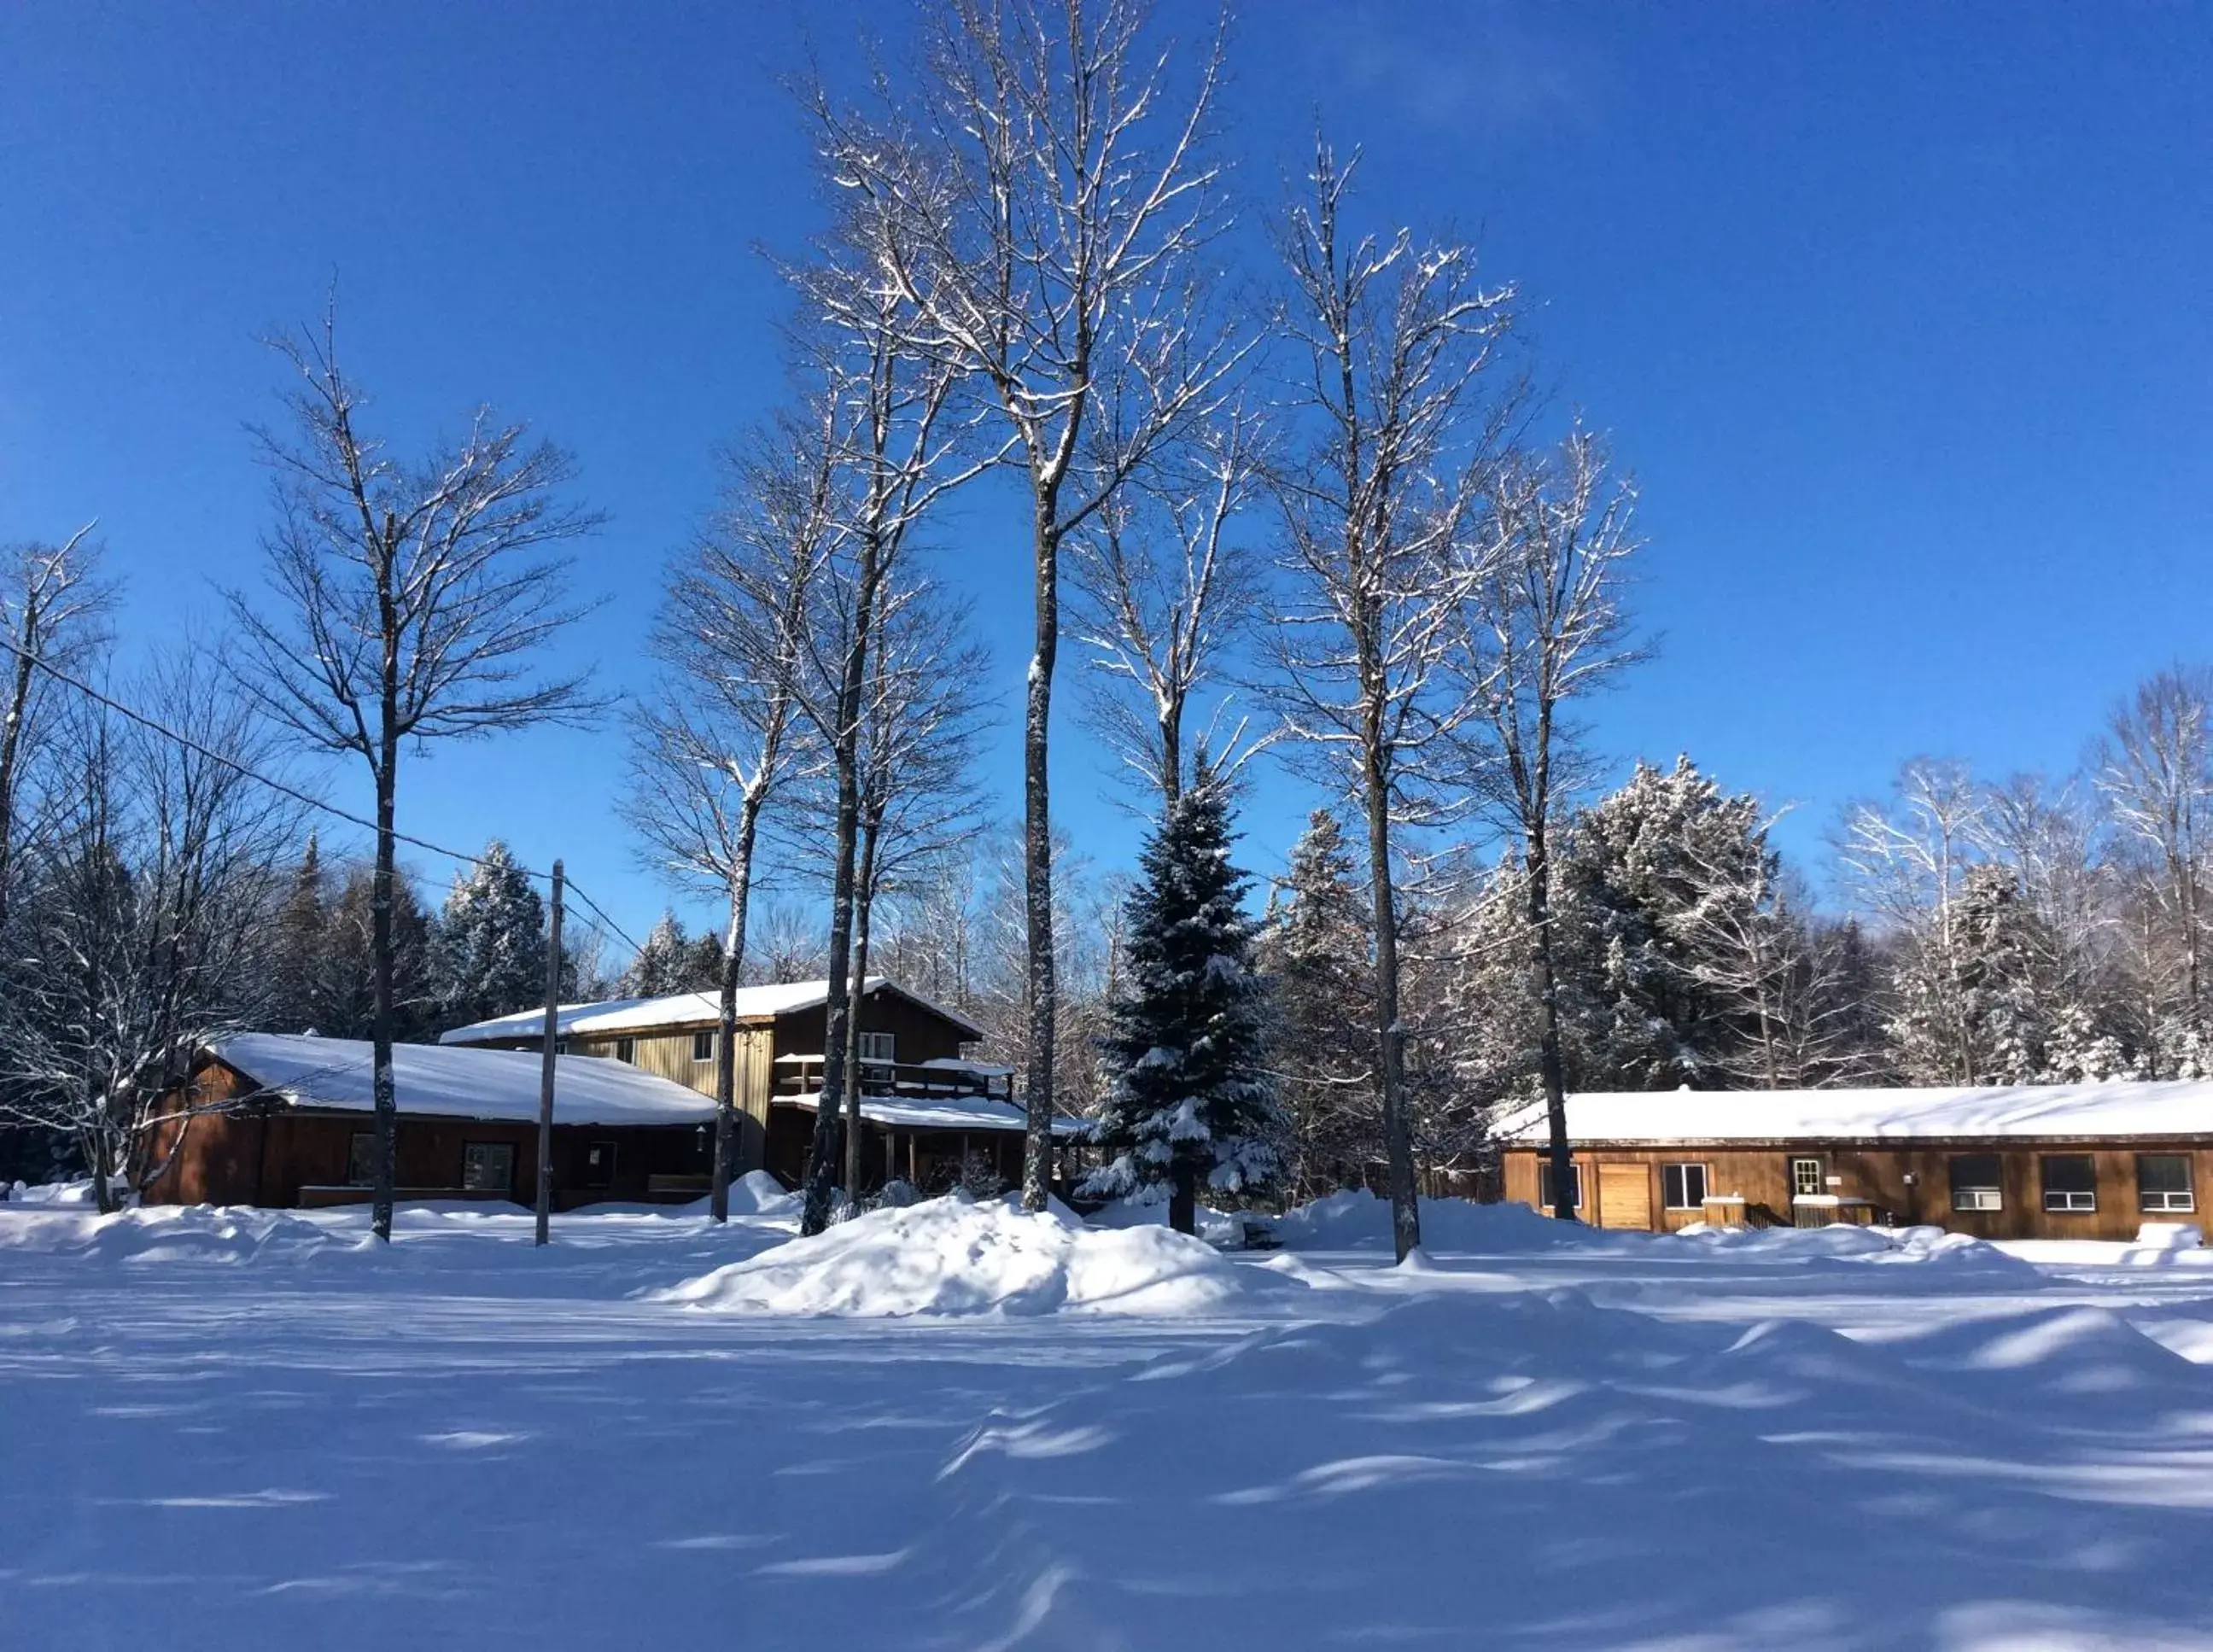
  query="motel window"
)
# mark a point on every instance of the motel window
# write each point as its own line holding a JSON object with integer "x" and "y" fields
{"x": 878, "y": 1047}
{"x": 703, "y": 1045}
{"x": 1545, "y": 1185}
{"x": 2164, "y": 1183}
{"x": 1684, "y": 1186}
{"x": 1806, "y": 1179}
{"x": 361, "y": 1161}
{"x": 600, "y": 1164}
{"x": 626, "y": 1050}
{"x": 2070, "y": 1181}
{"x": 488, "y": 1167}
{"x": 1976, "y": 1183}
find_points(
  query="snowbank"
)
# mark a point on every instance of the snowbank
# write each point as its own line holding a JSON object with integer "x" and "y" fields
{"x": 1844, "y": 1241}
{"x": 1355, "y": 1221}
{"x": 165, "y": 1233}
{"x": 78, "y": 1192}
{"x": 948, "y": 1256}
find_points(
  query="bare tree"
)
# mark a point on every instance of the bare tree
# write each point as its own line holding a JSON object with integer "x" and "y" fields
{"x": 1376, "y": 492}
{"x": 1545, "y": 628}
{"x": 142, "y": 922}
{"x": 919, "y": 799}
{"x": 1164, "y": 587}
{"x": 407, "y": 601}
{"x": 50, "y": 609}
{"x": 2154, "y": 769}
{"x": 721, "y": 742}
{"x": 1050, "y": 194}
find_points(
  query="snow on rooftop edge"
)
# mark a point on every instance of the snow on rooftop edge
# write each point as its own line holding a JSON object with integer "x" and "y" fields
{"x": 678, "y": 1009}
{"x": 2116, "y": 1108}
{"x": 460, "y": 1083}
{"x": 938, "y": 1112}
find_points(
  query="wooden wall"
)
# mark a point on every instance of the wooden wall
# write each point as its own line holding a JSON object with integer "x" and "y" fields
{"x": 257, "y": 1157}
{"x": 668, "y": 1055}
{"x": 1878, "y": 1174}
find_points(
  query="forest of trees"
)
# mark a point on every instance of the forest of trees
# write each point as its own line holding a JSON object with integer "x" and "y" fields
{"x": 1295, "y": 504}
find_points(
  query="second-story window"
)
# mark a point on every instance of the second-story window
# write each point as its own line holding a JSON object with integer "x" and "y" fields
{"x": 878, "y": 1047}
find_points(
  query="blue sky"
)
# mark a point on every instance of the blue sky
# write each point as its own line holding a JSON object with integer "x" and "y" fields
{"x": 1903, "y": 317}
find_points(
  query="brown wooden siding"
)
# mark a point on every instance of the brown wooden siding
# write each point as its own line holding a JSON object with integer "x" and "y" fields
{"x": 268, "y": 1156}
{"x": 1878, "y": 1174}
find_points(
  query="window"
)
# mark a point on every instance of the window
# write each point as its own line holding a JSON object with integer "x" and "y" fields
{"x": 878, "y": 1047}
{"x": 2164, "y": 1183}
{"x": 703, "y": 1045}
{"x": 2070, "y": 1181}
{"x": 1976, "y": 1184}
{"x": 1806, "y": 1179}
{"x": 488, "y": 1167}
{"x": 1545, "y": 1185}
{"x": 1683, "y": 1186}
{"x": 561, "y": 1044}
{"x": 600, "y": 1164}
{"x": 361, "y": 1161}
{"x": 626, "y": 1050}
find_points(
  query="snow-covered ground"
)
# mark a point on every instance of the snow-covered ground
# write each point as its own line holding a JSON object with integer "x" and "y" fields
{"x": 956, "y": 1426}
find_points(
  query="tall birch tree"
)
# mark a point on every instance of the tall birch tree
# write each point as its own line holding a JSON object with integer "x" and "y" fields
{"x": 407, "y": 600}
{"x": 1376, "y": 489}
{"x": 1545, "y": 627}
{"x": 1050, "y": 173}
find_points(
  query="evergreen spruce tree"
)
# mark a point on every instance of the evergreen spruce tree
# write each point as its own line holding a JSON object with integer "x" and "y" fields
{"x": 489, "y": 947}
{"x": 298, "y": 946}
{"x": 1188, "y": 1100}
{"x": 1315, "y": 953}
{"x": 653, "y": 972}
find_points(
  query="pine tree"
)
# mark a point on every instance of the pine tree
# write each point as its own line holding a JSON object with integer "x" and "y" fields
{"x": 297, "y": 946}
{"x": 1316, "y": 954}
{"x": 669, "y": 960}
{"x": 1188, "y": 1100}
{"x": 490, "y": 949}
{"x": 345, "y": 982}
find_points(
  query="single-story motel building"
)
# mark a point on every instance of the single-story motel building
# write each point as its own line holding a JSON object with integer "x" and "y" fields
{"x": 287, "y": 1120}
{"x": 2017, "y": 1162}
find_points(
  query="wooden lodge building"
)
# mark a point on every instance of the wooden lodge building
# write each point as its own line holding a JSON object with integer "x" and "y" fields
{"x": 2024, "y": 1162}
{"x": 278, "y": 1119}
{"x": 928, "y": 1111}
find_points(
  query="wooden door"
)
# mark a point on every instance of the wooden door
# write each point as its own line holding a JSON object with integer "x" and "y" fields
{"x": 1625, "y": 1196}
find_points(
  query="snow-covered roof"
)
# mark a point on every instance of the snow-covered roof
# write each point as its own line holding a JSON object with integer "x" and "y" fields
{"x": 2056, "y": 1111}
{"x": 498, "y": 1084}
{"x": 973, "y": 1112}
{"x": 678, "y": 1009}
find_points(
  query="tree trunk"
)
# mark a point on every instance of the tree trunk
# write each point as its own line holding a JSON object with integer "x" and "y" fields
{"x": 1183, "y": 1200}
{"x": 1398, "y": 1141}
{"x": 1042, "y": 984}
{"x": 1551, "y": 1068}
{"x": 542, "y": 1202}
{"x": 863, "y": 902}
{"x": 822, "y": 1164}
{"x": 1171, "y": 755}
{"x": 726, "y": 1019}
{"x": 11, "y": 743}
{"x": 380, "y": 910}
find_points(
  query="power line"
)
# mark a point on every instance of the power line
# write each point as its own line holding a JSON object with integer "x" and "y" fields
{"x": 293, "y": 792}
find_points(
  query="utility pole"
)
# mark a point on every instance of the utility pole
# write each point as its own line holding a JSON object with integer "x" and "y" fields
{"x": 545, "y": 1069}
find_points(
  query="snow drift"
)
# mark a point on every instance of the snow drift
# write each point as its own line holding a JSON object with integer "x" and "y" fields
{"x": 948, "y": 1256}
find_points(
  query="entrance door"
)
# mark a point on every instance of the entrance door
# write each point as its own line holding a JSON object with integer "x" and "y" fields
{"x": 1625, "y": 1196}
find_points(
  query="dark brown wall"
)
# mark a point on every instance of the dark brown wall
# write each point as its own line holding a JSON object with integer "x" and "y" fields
{"x": 1878, "y": 1174}
{"x": 248, "y": 1158}
{"x": 920, "y": 1034}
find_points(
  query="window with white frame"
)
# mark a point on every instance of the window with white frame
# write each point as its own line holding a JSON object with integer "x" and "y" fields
{"x": 1977, "y": 1183}
{"x": 1545, "y": 1185}
{"x": 2070, "y": 1181}
{"x": 878, "y": 1047}
{"x": 1683, "y": 1186}
{"x": 1807, "y": 1179}
{"x": 703, "y": 1045}
{"x": 2163, "y": 1184}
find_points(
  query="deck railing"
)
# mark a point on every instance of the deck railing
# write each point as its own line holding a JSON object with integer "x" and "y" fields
{"x": 802, "y": 1075}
